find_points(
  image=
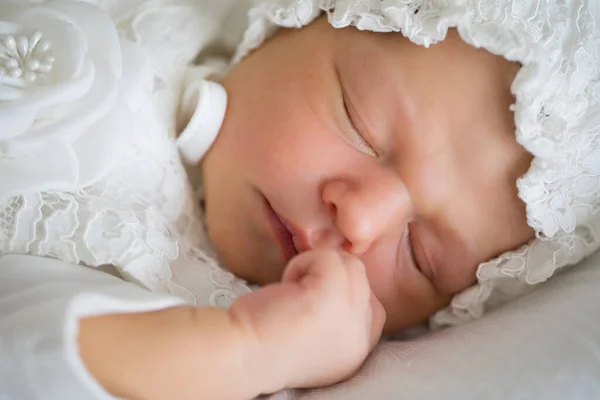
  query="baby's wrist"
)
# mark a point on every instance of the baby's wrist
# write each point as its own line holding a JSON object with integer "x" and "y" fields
{"x": 259, "y": 362}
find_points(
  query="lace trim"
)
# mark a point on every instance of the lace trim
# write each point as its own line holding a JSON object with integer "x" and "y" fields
{"x": 143, "y": 217}
{"x": 557, "y": 114}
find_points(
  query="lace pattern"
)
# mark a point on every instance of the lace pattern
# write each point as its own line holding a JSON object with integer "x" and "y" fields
{"x": 146, "y": 209}
{"x": 143, "y": 217}
{"x": 556, "y": 112}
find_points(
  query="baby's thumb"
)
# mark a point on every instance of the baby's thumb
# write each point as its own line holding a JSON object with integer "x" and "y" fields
{"x": 312, "y": 266}
{"x": 297, "y": 269}
{"x": 377, "y": 321}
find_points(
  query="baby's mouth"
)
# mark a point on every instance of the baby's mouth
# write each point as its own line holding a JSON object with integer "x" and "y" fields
{"x": 282, "y": 233}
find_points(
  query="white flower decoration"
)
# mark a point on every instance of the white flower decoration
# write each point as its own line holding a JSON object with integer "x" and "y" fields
{"x": 68, "y": 88}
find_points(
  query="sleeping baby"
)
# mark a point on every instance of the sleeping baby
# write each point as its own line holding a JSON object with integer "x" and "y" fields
{"x": 371, "y": 166}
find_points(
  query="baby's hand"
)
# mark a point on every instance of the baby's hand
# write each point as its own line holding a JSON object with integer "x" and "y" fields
{"x": 317, "y": 326}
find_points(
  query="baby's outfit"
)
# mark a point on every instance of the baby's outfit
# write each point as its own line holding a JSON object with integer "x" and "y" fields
{"x": 140, "y": 220}
{"x": 91, "y": 181}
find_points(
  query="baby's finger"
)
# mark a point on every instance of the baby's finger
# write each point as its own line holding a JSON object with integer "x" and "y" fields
{"x": 315, "y": 266}
{"x": 359, "y": 279}
{"x": 296, "y": 270}
{"x": 377, "y": 321}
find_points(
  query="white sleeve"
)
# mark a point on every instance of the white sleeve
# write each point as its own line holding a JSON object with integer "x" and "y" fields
{"x": 41, "y": 301}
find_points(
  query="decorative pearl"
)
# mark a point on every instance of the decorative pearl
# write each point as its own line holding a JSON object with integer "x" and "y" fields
{"x": 16, "y": 72}
{"x": 30, "y": 76}
{"x": 11, "y": 63}
{"x": 35, "y": 39}
{"x": 10, "y": 43}
{"x": 45, "y": 67}
{"x": 22, "y": 46}
{"x": 26, "y": 58}
{"x": 33, "y": 64}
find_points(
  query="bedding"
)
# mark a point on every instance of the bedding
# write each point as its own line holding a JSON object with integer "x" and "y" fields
{"x": 545, "y": 345}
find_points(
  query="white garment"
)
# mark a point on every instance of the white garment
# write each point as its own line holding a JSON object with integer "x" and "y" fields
{"x": 41, "y": 301}
{"x": 122, "y": 199}
{"x": 138, "y": 212}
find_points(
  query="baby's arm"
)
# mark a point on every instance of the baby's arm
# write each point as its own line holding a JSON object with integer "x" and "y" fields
{"x": 178, "y": 353}
{"x": 269, "y": 340}
{"x": 139, "y": 344}
{"x": 132, "y": 342}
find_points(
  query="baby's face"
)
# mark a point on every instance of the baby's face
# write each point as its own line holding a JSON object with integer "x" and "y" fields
{"x": 403, "y": 156}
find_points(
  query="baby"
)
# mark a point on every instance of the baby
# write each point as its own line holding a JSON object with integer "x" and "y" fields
{"x": 358, "y": 141}
{"x": 362, "y": 180}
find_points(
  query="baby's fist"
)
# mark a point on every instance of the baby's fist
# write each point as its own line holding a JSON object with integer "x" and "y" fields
{"x": 317, "y": 326}
{"x": 348, "y": 317}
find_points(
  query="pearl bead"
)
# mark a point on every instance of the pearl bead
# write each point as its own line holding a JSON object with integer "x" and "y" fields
{"x": 10, "y": 43}
{"x": 30, "y": 76}
{"x": 25, "y": 57}
{"x": 45, "y": 68}
{"x": 11, "y": 63}
{"x": 33, "y": 65}
{"x": 35, "y": 39}
{"x": 16, "y": 72}
{"x": 22, "y": 46}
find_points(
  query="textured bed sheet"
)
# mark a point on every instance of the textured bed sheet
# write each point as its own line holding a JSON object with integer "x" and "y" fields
{"x": 545, "y": 345}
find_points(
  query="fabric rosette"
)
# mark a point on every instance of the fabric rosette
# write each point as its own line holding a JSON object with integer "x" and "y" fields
{"x": 69, "y": 86}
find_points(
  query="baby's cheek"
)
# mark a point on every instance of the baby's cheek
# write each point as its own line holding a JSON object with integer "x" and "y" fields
{"x": 385, "y": 273}
{"x": 408, "y": 311}
{"x": 407, "y": 298}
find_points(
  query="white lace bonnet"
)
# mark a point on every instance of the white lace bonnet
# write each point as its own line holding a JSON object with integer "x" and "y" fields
{"x": 557, "y": 114}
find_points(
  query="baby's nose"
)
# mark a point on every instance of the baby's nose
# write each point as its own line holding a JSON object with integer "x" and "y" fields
{"x": 362, "y": 213}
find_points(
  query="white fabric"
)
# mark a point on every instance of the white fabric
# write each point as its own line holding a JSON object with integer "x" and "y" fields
{"x": 542, "y": 346}
{"x": 557, "y": 114}
{"x": 61, "y": 87}
{"x": 203, "y": 109}
{"x": 142, "y": 215}
{"x": 138, "y": 213}
{"x": 41, "y": 301}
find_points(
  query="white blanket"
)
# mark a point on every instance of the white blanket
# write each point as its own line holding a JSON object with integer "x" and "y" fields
{"x": 544, "y": 346}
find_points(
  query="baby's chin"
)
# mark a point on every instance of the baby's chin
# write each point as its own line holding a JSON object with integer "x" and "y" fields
{"x": 399, "y": 326}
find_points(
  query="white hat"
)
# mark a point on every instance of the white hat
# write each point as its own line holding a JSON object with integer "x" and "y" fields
{"x": 557, "y": 115}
